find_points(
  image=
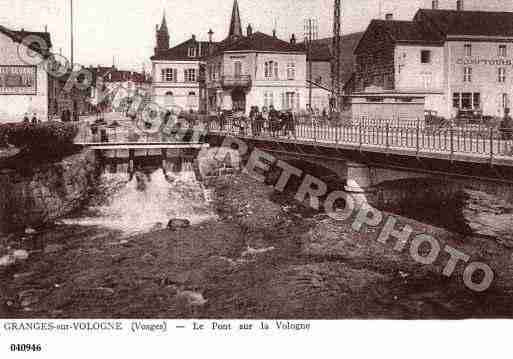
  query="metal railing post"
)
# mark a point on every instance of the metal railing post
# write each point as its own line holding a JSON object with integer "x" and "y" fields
{"x": 337, "y": 128}
{"x": 360, "y": 134}
{"x": 387, "y": 135}
{"x": 418, "y": 137}
{"x": 451, "y": 129}
{"x": 491, "y": 145}
{"x": 314, "y": 122}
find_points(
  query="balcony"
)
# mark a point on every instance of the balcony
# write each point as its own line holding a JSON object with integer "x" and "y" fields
{"x": 232, "y": 82}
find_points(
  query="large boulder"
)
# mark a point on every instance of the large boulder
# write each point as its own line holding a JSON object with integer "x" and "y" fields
{"x": 482, "y": 214}
{"x": 177, "y": 223}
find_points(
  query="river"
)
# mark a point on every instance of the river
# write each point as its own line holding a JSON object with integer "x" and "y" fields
{"x": 248, "y": 253}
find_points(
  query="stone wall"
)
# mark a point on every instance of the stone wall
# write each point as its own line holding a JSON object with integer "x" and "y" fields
{"x": 37, "y": 195}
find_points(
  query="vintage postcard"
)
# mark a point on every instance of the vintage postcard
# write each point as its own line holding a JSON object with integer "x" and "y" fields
{"x": 253, "y": 168}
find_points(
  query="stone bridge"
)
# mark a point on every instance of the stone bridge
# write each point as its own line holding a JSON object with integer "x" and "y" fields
{"x": 384, "y": 179}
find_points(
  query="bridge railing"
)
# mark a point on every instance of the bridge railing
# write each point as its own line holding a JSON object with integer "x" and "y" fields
{"x": 450, "y": 139}
{"x": 466, "y": 139}
{"x": 128, "y": 133}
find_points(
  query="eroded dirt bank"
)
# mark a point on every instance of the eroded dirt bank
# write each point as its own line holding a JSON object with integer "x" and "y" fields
{"x": 265, "y": 257}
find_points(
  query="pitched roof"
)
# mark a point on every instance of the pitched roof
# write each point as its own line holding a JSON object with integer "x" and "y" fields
{"x": 472, "y": 23}
{"x": 18, "y": 36}
{"x": 116, "y": 75}
{"x": 322, "y": 52}
{"x": 258, "y": 41}
{"x": 181, "y": 51}
{"x": 407, "y": 31}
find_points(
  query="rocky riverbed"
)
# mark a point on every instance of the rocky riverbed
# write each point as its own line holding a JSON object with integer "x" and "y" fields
{"x": 263, "y": 256}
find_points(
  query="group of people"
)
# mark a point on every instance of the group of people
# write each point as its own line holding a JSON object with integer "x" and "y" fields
{"x": 266, "y": 121}
{"x": 30, "y": 121}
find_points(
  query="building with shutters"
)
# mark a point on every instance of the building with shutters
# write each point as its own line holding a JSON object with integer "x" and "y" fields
{"x": 176, "y": 77}
{"x": 244, "y": 70}
{"x": 458, "y": 59}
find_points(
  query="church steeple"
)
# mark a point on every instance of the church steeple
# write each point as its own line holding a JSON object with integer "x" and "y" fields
{"x": 163, "y": 25}
{"x": 162, "y": 36}
{"x": 235, "y": 24}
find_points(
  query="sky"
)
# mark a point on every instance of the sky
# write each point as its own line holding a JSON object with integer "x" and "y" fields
{"x": 123, "y": 31}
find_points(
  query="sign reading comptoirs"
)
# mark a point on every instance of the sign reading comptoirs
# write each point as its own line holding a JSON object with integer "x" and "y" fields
{"x": 480, "y": 61}
{"x": 18, "y": 80}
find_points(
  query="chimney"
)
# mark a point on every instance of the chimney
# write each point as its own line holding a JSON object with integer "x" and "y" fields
{"x": 435, "y": 4}
{"x": 193, "y": 37}
{"x": 210, "y": 35}
{"x": 249, "y": 30}
{"x": 274, "y": 33}
{"x": 389, "y": 16}
{"x": 459, "y": 5}
{"x": 46, "y": 28}
{"x": 293, "y": 39}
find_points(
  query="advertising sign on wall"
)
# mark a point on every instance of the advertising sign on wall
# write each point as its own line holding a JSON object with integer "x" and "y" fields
{"x": 18, "y": 80}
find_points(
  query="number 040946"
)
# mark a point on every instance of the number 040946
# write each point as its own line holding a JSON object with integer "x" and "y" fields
{"x": 26, "y": 347}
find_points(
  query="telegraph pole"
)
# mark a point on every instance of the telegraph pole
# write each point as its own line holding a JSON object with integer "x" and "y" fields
{"x": 335, "y": 65}
{"x": 310, "y": 35}
{"x": 72, "y": 34}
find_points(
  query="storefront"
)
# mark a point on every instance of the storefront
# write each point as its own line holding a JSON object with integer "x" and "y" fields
{"x": 24, "y": 87}
{"x": 459, "y": 61}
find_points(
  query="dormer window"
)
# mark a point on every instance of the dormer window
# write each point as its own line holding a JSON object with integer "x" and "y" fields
{"x": 192, "y": 52}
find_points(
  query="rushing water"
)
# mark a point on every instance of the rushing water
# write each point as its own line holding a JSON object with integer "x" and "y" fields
{"x": 146, "y": 202}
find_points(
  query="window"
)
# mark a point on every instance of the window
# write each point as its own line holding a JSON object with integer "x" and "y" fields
{"x": 290, "y": 98}
{"x": 467, "y": 74}
{"x": 237, "y": 71}
{"x": 169, "y": 99}
{"x": 456, "y": 100}
{"x": 503, "y": 52}
{"x": 219, "y": 70}
{"x": 468, "y": 50}
{"x": 426, "y": 80}
{"x": 502, "y": 74}
{"x": 477, "y": 100}
{"x": 169, "y": 75}
{"x": 190, "y": 75}
{"x": 268, "y": 99}
{"x": 425, "y": 56}
{"x": 191, "y": 99}
{"x": 504, "y": 100}
{"x": 291, "y": 71}
{"x": 192, "y": 52}
{"x": 271, "y": 70}
{"x": 466, "y": 100}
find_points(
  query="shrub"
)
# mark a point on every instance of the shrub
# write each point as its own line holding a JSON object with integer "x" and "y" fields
{"x": 48, "y": 137}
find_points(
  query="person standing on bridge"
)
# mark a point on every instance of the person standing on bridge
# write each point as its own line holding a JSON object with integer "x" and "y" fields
{"x": 273, "y": 121}
{"x": 265, "y": 119}
{"x": 506, "y": 126}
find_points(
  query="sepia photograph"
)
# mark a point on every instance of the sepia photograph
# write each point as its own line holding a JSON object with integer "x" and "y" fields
{"x": 255, "y": 160}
